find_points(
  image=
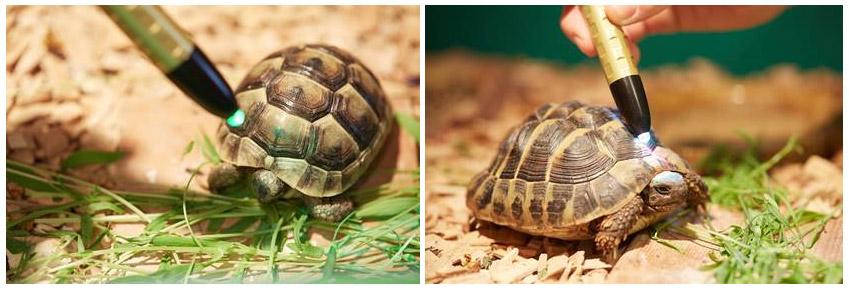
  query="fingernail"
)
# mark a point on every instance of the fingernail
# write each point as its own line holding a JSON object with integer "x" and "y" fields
{"x": 621, "y": 14}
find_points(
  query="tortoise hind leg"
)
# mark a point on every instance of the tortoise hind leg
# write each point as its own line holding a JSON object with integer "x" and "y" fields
{"x": 330, "y": 209}
{"x": 613, "y": 229}
{"x": 266, "y": 185}
{"x": 223, "y": 176}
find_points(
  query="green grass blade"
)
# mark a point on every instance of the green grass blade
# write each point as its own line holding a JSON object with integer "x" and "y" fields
{"x": 91, "y": 157}
{"x": 409, "y": 124}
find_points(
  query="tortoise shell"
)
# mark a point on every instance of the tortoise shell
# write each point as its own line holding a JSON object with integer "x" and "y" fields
{"x": 314, "y": 115}
{"x": 564, "y": 167}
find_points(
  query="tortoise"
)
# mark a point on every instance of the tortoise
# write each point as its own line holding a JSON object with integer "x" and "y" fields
{"x": 575, "y": 172}
{"x": 315, "y": 118}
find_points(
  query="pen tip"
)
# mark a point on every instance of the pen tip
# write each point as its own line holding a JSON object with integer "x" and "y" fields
{"x": 237, "y": 119}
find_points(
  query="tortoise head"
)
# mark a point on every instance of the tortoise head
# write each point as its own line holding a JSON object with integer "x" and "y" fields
{"x": 670, "y": 190}
{"x": 676, "y": 186}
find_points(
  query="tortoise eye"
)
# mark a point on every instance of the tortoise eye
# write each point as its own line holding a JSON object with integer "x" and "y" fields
{"x": 662, "y": 189}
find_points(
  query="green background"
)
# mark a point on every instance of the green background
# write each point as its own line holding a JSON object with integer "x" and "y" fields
{"x": 808, "y": 36}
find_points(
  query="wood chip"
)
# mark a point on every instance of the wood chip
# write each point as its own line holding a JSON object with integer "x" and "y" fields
{"x": 25, "y": 114}
{"x": 20, "y": 140}
{"x": 529, "y": 279}
{"x": 592, "y": 264}
{"x": 51, "y": 141}
{"x": 555, "y": 266}
{"x": 481, "y": 277}
{"x": 23, "y": 155}
{"x": 66, "y": 112}
{"x": 595, "y": 276}
{"x": 543, "y": 262}
{"x": 505, "y": 271}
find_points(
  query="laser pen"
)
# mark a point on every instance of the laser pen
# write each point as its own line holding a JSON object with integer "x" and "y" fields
{"x": 621, "y": 72}
{"x": 170, "y": 48}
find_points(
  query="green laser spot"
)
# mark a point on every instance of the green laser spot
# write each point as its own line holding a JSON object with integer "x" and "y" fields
{"x": 237, "y": 119}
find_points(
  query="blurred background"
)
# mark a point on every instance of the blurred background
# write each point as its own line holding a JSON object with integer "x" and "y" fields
{"x": 808, "y": 36}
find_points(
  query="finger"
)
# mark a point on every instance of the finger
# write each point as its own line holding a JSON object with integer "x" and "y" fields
{"x": 635, "y": 52}
{"x": 630, "y": 14}
{"x": 704, "y": 18}
{"x": 575, "y": 28}
{"x": 635, "y": 32}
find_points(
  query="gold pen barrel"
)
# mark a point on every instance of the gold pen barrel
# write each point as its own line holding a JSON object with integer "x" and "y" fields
{"x": 611, "y": 44}
{"x": 150, "y": 28}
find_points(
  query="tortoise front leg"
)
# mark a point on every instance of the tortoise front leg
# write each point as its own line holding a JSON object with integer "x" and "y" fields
{"x": 614, "y": 228}
{"x": 223, "y": 176}
{"x": 266, "y": 185}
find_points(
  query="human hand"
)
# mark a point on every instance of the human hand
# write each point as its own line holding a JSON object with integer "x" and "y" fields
{"x": 639, "y": 21}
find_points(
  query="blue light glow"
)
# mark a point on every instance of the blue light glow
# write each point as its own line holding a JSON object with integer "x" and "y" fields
{"x": 644, "y": 138}
{"x": 237, "y": 119}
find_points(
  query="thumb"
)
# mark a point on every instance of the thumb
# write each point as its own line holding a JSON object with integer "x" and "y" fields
{"x": 629, "y": 14}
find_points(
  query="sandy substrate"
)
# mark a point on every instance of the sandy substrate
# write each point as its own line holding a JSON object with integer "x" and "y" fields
{"x": 473, "y": 101}
{"x": 75, "y": 81}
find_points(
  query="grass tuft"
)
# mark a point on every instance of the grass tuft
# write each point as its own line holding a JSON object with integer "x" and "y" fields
{"x": 773, "y": 243}
{"x": 198, "y": 237}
